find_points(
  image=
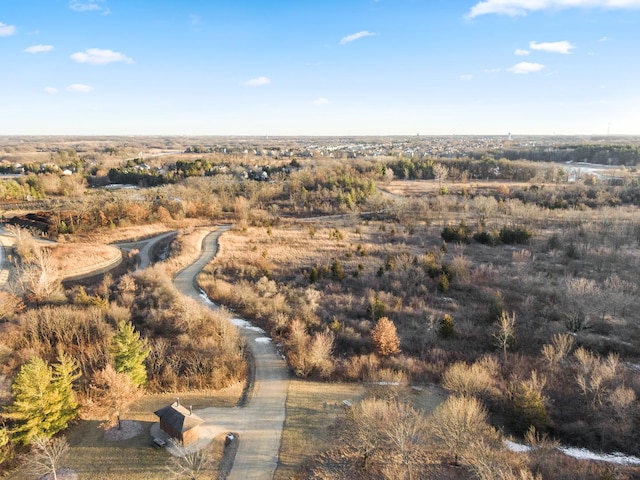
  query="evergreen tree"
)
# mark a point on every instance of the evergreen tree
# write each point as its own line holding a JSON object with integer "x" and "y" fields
{"x": 65, "y": 372}
{"x": 129, "y": 353}
{"x": 446, "y": 327}
{"x": 44, "y": 400}
{"x": 337, "y": 272}
{"x": 4, "y": 445}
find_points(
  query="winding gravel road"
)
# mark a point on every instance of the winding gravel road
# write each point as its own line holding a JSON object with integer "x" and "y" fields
{"x": 258, "y": 423}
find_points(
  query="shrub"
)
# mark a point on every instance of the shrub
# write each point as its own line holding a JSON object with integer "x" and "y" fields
{"x": 458, "y": 234}
{"x": 337, "y": 272}
{"x": 477, "y": 379}
{"x": 486, "y": 238}
{"x": 528, "y": 407}
{"x": 376, "y": 308}
{"x": 519, "y": 235}
{"x": 446, "y": 327}
{"x": 443, "y": 283}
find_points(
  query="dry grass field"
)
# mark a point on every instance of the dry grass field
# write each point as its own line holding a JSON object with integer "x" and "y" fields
{"x": 313, "y": 408}
{"x": 576, "y": 275}
{"x": 78, "y": 258}
{"x": 94, "y": 457}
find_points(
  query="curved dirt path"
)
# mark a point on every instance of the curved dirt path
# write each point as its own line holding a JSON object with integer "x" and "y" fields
{"x": 258, "y": 423}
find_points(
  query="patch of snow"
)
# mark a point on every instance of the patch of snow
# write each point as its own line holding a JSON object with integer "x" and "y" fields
{"x": 263, "y": 340}
{"x": 580, "y": 454}
{"x": 206, "y": 299}
{"x": 387, "y": 384}
{"x": 241, "y": 323}
{"x": 634, "y": 366}
{"x": 516, "y": 447}
{"x": 616, "y": 457}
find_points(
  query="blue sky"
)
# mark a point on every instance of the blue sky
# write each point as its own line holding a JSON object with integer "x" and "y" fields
{"x": 350, "y": 67}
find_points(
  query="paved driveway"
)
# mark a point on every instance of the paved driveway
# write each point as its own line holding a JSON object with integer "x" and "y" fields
{"x": 258, "y": 423}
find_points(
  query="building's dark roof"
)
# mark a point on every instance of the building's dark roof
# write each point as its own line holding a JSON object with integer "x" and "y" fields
{"x": 178, "y": 417}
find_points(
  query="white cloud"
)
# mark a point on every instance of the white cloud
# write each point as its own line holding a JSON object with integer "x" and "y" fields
{"x": 79, "y": 87}
{"x": 526, "y": 67}
{"x": 257, "y": 82}
{"x": 38, "y": 49}
{"x": 97, "y": 56}
{"x": 522, "y": 7}
{"x": 492, "y": 70}
{"x": 88, "y": 6}
{"x": 466, "y": 77}
{"x": 604, "y": 39}
{"x": 521, "y": 52}
{"x": 321, "y": 101}
{"x": 6, "y": 30}
{"x": 355, "y": 36}
{"x": 562, "y": 47}
{"x": 51, "y": 90}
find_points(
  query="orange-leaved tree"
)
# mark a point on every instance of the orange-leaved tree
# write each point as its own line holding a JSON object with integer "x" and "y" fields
{"x": 385, "y": 337}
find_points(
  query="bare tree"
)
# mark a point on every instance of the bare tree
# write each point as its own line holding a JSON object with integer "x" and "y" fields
{"x": 459, "y": 423}
{"x": 594, "y": 374}
{"x": 582, "y": 300}
{"x": 440, "y": 172}
{"x": 111, "y": 394}
{"x": 405, "y": 433}
{"x": 320, "y": 352}
{"x": 558, "y": 350}
{"x": 38, "y": 278}
{"x": 364, "y": 423}
{"x": 24, "y": 244}
{"x": 46, "y": 455}
{"x": 505, "y": 335}
{"x": 187, "y": 463}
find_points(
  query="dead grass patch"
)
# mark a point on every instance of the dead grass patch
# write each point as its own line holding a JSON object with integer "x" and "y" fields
{"x": 73, "y": 258}
{"x": 94, "y": 456}
{"x": 313, "y": 409}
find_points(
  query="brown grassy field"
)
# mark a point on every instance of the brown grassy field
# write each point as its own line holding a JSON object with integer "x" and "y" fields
{"x": 94, "y": 457}
{"x": 575, "y": 275}
{"x": 77, "y": 258}
{"x": 312, "y": 411}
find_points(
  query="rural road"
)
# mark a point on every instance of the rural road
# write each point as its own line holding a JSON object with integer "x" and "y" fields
{"x": 258, "y": 423}
{"x": 145, "y": 247}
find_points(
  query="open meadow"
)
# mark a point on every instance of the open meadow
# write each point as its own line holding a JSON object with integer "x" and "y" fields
{"x": 404, "y": 293}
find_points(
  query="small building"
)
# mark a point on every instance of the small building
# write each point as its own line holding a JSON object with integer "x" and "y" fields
{"x": 179, "y": 422}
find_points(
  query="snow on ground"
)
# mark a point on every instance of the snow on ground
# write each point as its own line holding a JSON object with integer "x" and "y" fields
{"x": 241, "y": 323}
{"x": 516, "y": 447}
{"x": 616, "y": 457}
{"x": 206, "y": 299}
{"x": 263, "y": 340}
{"x": 581, "y": 454}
